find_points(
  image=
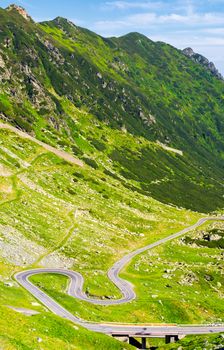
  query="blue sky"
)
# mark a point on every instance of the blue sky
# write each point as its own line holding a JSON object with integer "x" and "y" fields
{"x": 182, "y": 23}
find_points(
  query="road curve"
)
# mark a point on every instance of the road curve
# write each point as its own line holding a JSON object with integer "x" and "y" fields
{"x": 75, "y": 290}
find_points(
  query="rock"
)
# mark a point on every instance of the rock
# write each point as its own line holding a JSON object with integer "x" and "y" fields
{"x": 99, "y": 75}
{"x": 55, "y": 53}
{"x": 8, "y": 284}
{"x": 209, "y": 278}
{"x": 148, "y": 119}
{"x": 20, "y": 10}
{"x": 207, "y": 237}
{"x": 188, "y": 279}
{"x": 2, "y": 62}
{"x": 215, "y": 237}
{"x": 34, "y": 303}
{"x": 189, "y": 52}
{"x": 7, "y": 42}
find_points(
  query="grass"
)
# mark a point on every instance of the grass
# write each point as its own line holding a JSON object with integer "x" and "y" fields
{"x": 46, "y": 331}
{"x": 126, "y": 93}
{"x": 174, "y": 283}
{"x": 208, "y": 342}
{"x": 71, "y": 213}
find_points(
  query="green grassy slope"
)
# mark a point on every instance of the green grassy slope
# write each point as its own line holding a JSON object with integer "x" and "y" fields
{"x": 85, "y": 202}
{"x": 65, "y": 215}
{"x": 45, "y": 331}
{"x": 201, "y": 342}
{"x": 130, "y": 86}
{"x": 116, "y": 104}
{"x": 175, "y": 283}
{"x": 209, "y": 342}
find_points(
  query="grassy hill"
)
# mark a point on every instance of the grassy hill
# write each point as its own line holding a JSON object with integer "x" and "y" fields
{"x": 146, "y": 125}
{"x": 143, "y": 91}
{"x": 65, "y": 215}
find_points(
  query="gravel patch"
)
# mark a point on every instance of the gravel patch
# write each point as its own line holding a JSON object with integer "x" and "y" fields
{"x": 17, "y": 249}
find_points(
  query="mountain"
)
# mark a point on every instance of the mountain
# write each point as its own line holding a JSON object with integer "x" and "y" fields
{"x": 149, "y": 89}
{"x": 106, "y": 145}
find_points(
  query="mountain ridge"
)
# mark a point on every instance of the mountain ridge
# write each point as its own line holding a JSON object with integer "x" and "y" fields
{"x": 200, "y": 59}
{"x": 131, "y": 84}
{"x": 187, "y": 51}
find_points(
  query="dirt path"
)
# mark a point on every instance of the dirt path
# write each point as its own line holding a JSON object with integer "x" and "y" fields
{"x": 59, "y": 245}
{"x": 62, "y": 154}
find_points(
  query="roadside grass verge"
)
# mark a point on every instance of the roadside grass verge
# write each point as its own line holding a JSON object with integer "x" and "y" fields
{"x": 174, "y": 283}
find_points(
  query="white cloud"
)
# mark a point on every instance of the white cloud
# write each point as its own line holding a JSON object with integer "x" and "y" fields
{"x": 184, "y": 39}
{"x": 143, "y": 20}
{"x": 193, "y": 19}
{"x": 216, "y": 31}
{"x": 126, "y": 5}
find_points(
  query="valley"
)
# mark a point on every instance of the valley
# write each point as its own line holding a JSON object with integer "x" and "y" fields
{"x": 31, "y": 190}
{"x": 111, "y": 152}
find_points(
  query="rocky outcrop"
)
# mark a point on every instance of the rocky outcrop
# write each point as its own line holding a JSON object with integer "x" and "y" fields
{"x": 54, "y": 52}
{"x": 2, "y": 62}
{"x": 20, "y": 10}
{"x": 196, "y": 57}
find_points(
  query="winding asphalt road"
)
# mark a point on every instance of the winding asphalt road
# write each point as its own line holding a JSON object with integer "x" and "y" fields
{"x": 75, "y": 289}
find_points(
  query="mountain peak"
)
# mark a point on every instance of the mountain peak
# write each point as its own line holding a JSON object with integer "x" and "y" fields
{"x": 20, "y": 10}
{"x": 63, "y": 21}
{"x": 202, "y": 60}
{"x": 135, "y": 36}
